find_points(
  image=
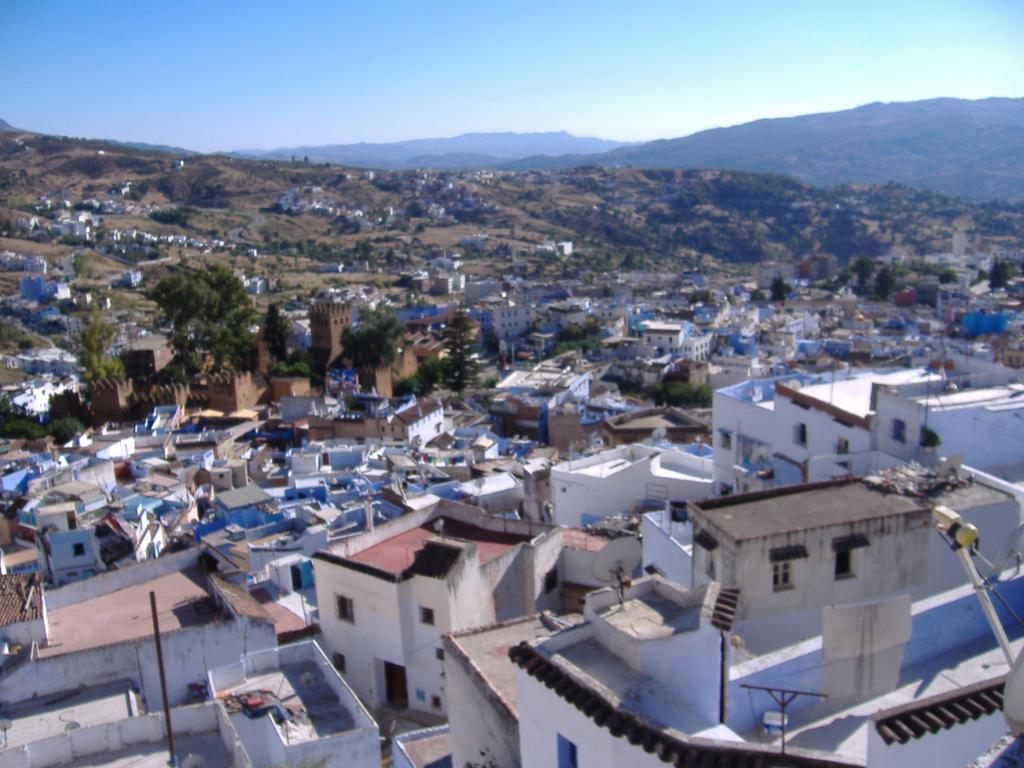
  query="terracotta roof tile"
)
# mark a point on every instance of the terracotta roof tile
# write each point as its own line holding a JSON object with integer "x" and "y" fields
{"x": 20, "y": 598}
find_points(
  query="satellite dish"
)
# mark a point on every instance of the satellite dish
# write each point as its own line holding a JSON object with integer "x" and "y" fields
{"x": 1011, "y": 551}
{"x": 1013, "y": 698}
{"x": 659, "y": 434}
{"x": 616, "y": 560}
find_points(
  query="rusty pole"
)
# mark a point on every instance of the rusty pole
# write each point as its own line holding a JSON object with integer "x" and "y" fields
{"x": 163, "y": 679}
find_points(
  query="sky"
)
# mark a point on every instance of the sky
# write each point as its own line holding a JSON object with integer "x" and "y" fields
{"x": 214, "y": 75}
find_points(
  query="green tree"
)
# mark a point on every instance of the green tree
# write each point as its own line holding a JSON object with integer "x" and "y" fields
{"x": 93, "y": 344}
{"x": 373, "y": 342}
{"x": 779, "y": 288}
{"x": 430, "y": 374}
{"x": 82, "y": 265}
{"x": 209, "y": 312}
{"x": 364, "y": 250}
{"x": 1000, "y": 274}
{"x": 66, "y": 429}
{"x": 460, "y": 366}
{"x": 19, "y": 428}
{"x": 885, "y": 283}
{"x": 275, "y": 332}
{"x": 863, "y": 269}
{"x": 947, "y": 276}
{"x": 676, "y": 393}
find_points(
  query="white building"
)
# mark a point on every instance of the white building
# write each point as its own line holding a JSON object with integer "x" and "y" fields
{"x": 799, "y": 428}
{"x": 325, "y": 724}
{"x": 388, "y": 596}
{"x": 626, "y": 479}
{"x": 677, "y": 339}
{"x": 618, "y": 691}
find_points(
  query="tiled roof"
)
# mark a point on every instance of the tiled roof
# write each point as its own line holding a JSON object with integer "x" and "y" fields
{"x": 935, "y": 713}
{"x": 670, "y": 749}
{"x": 20, "y": 598}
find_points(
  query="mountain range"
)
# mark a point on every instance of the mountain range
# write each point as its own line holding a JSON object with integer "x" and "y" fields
{"x": 972, "y": 149}
{"x": 469, "y": 150}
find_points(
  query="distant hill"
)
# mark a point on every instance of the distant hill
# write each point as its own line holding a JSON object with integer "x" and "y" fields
{"x": 5, "y": 126}
{"x": 970, "y": 149}
{"x": 617, "y": 218}
{"x": 470, "y": 150}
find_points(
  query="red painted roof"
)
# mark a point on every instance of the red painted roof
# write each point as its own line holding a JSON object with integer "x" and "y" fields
{"x": 396, "y": 554}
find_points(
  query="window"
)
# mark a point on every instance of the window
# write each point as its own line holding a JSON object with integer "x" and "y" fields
{"x": 551, "y": 581}
{"x": 725, "y": 440}
{"x": 842, "y": 445}
{"x": 782, "y": 576}
{"x": 427, "y": 615}
{"x": 899, "y": 430}
{"x": 800, "y": 434}
{"x": 567, "y": 756}
{"x": 78, "y": 549}
{"x": 709, "y": 565}
{"x": 435, "y": 702}
{"x": 338, "y": 659}
{"x": 844, "y": 564}
{"x": 346, "y": 611}
{"x": 439, "y": 654}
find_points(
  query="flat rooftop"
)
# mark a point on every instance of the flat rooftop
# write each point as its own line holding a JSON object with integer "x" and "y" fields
{"x": 430, "y": 751}
{"x": 652, "y": 617}
{"x": 315, "y": 710}
{"x": 396, "y": 554}
{"x": 488, "y": 649}
{"x": 844, "y": 729}
{"x": 1002, "y": 398}
{"x": 53, "y": 715}
{"x": 182, "y": 600}
{"x": 646, "y": 697}
{"x": 154, "y": 755}
{"x": 800, "y": 508}
{"x": 853, "y": 394}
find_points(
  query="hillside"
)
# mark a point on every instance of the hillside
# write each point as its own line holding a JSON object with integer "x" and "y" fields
{"x": 469, "y": 150}
{"x": 618, "y": 218}
{"x": 969, "y": 149}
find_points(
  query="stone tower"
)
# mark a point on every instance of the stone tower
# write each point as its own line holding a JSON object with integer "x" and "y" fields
{"x": 326, "y": 322}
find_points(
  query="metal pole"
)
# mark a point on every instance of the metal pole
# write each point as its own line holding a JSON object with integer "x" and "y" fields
{"x": 986, "y": 603}
{"x": 163, "y": 680}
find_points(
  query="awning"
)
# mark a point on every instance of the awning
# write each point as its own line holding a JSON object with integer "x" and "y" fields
{"x": 706, "y": 540}
{"x": 846, "y": 543}
{"x": 781, "y": 554}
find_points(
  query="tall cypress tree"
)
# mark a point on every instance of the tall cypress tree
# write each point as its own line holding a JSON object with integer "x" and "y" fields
{"x": 461, "y": 366}
{"x": 275, "y": 333}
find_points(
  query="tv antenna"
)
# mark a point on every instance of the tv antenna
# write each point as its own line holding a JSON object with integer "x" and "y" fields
{"x": 783, "y": 697}
{"x": 616, "y": 561}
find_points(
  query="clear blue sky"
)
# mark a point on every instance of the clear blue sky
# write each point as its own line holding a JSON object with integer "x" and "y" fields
{"x": 212, "y": 75}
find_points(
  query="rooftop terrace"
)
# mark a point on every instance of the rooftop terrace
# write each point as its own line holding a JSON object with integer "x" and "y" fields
{"x": 396, "y": 554}
{"x": 798, "y": 508}
{"x": 182, "y": 600}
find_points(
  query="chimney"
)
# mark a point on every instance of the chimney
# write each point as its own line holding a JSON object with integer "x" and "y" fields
{"x": 368, "y": 510}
